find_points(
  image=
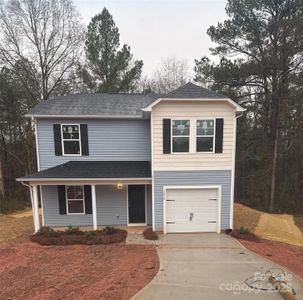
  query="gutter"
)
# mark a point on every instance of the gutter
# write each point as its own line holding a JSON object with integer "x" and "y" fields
{"x": 84, "y": 116}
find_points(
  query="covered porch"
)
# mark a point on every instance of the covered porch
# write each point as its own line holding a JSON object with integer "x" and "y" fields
{"x": 92, "y": 194}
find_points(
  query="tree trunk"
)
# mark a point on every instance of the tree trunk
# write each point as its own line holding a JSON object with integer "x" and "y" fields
{"x": 2, "y": 191}
{"x": 273, "y": 172}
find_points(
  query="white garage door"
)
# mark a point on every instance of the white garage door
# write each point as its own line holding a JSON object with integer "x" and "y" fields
{"x": 191, "y": 210}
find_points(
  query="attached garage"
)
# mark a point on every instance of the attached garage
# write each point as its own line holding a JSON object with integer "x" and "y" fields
{"x": 192, "y": 209}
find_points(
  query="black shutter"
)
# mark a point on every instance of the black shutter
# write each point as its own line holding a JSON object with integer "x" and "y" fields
{"x": 57, "y": 139}
{"x": 62, "y": 199}
{"x": 88, "y": 199}
{"x": 219, "y": 135}
{"x": 84, "y": 139}
{"x": 166, "y": 136}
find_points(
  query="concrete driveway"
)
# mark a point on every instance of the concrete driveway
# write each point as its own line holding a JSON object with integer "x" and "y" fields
{"x": 207, "y": 266}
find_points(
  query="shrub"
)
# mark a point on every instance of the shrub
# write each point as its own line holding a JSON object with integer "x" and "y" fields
{"x": 149, "y": 234}
{"x": 74, "y": 236}
{"x": 243, "y": 230}
{"x": 45, "y": 229}
{"x": 73, "y": 230}
{"x": 109, "y": 230}
{"x": 48, "y": 232}
{"x": 90, "y": 235}
{"x": 244, "y": 234}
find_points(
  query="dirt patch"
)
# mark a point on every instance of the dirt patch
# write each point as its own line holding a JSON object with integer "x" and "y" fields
{"x": 278, "y": 227}
{"x": 75, "y": 272}
{"x": 283, "y": 254}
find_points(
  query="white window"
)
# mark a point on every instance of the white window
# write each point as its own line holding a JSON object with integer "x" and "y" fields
{"x": 71, "y": 140}
{"x": 205, "y": 135}
{"x": 74, "y": 199}
{"x": 180, "y": 136}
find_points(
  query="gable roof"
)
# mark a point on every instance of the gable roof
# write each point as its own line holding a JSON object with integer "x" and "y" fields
{"x": 191, "y": 91}
{"x": 94, "y": 105}
{"x": 93, "y": 170}
{"x": 118, "y": 105}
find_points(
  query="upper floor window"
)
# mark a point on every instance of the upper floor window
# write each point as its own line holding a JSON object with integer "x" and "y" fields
{"x": 71, "y": 143}
{"x": 180, "y": 135}
{"x": 75, "y": 199}
{"x": 205, "y": 135}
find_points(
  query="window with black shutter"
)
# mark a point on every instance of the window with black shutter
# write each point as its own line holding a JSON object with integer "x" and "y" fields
{"x": 219, "y": 135}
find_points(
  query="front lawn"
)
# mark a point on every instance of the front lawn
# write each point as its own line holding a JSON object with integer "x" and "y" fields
{"x": 16, "y": 225}
{"x": 116, "y": 271}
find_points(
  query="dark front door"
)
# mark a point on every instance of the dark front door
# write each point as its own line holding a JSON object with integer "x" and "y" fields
{"x": 136, "y": 204}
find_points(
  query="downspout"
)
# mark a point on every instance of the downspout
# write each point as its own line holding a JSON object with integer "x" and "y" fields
{"x": 31, "y": 196}
{"x": 233, "y": 171}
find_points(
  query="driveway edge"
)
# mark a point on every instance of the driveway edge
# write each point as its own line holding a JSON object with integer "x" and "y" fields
{"x": 271, "y": 261}
{"x": 147, "y": 286}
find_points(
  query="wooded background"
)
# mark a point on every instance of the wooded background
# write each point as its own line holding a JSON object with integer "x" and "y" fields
{"x": 46, "y": 51}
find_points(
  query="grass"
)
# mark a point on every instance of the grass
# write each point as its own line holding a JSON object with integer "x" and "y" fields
{"x": 15, "y": 225}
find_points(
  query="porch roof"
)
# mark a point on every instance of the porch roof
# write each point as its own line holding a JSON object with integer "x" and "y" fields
{"x": 95, "y": 170}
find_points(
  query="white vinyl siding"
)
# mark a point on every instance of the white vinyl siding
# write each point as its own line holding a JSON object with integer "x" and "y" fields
{"x": 192, "y": 110}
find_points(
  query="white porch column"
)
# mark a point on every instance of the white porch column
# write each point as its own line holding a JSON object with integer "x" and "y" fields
{"x": 94, "y": 206}
{"x": 36, "y": 208}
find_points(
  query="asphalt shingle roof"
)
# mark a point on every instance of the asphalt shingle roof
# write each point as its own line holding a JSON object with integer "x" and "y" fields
{"x": 190, "y": 90}
{"x": 113, "y": 105}
{"x": 128, "y": 105}
{"x": 95, "y": 169}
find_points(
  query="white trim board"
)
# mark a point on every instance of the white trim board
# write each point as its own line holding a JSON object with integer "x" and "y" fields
{"x": 116, "y": 180}
{"x": 174, "y": 187}
{"x": 43, "y": 116}
{"x": 231, "y": 102}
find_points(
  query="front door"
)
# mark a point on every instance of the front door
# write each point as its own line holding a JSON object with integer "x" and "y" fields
{"x": 136, "y": 204}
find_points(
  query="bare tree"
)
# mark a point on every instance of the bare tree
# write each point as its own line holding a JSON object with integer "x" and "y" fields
{"x": 46, "y": 33}
{"x": 171, "y": 74}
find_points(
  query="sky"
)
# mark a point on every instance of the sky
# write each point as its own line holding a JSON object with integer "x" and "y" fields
{"x": 156, "y": 29}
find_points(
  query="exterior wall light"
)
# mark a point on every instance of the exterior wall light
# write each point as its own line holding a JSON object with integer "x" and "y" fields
{"x": 119, "y": 186}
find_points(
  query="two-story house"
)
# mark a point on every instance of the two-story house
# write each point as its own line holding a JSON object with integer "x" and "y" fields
{"x": 132, "y": 159}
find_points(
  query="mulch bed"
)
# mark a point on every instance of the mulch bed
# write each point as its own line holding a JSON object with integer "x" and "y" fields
{"x": 115, "y": 271}
{"x": 283, "y": 254}
{"x": 149, "y": 234}
{"x": 75, "y": 236}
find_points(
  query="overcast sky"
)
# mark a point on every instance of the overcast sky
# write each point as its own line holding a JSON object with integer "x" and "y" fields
{"x": 158, "y": 29}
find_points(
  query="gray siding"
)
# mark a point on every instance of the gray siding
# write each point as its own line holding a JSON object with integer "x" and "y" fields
{"x": 51, "y": 210}
{"x": 108, "y": 140}
{"x": 165, "y": 178}
{"x": 111, "y": 205}
{"x": 111, "y": 208}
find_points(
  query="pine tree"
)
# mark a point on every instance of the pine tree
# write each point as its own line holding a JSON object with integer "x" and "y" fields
{"x": 113, "y": 68}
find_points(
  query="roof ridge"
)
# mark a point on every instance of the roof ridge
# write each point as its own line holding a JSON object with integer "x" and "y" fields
{"x": 199, "y": 92}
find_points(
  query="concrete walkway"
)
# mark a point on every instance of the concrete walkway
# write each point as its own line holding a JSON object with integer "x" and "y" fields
{"x": 207, "y": 266}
